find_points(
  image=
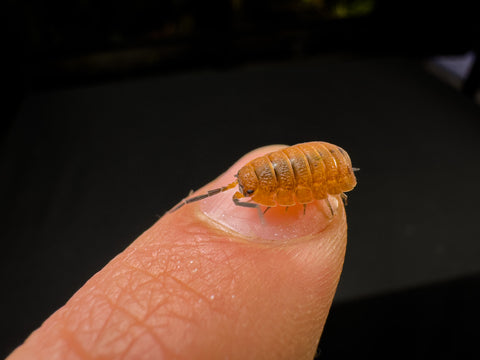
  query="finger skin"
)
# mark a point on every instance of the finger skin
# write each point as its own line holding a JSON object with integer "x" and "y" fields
{"x": 189, "y": 288}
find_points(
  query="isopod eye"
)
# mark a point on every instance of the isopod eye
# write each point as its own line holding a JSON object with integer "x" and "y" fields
{"x": 250, "y": 192}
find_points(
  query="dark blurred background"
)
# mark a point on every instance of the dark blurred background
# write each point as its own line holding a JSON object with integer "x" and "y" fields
{"x": 114, "y": 110}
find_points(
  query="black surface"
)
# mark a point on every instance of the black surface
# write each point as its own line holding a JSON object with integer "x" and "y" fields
{"x": 52, "y": 43}
{"x": 438, "y": 321}
{"x": 86, "y": 170}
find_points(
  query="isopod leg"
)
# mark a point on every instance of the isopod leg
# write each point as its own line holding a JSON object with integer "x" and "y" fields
{"x": 250, "y": 205}
{"x": 344, "y": 198}
{"x": 329, "y": 206}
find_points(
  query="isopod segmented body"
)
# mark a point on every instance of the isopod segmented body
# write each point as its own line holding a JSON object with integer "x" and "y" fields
{"x": 298, "y": 174}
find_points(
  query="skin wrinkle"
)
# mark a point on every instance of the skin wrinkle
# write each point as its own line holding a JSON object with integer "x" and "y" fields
{"x": 148, "y": 338}
{"x": 155, "y": 309}
{"x": 142, "y": 267}
{"x": 104, "y": 326}
{"x": 232, "y": 279}
{"x": 154, "y": 305}
{"x": 102, "y": 330}
{"x": 77, "y": 348}
{"x": 112, "y": 323}
{"x": 188, "y": 288}
{"x": 141, "y": 336}
{"x": 129, "y": 298}
{"x": 118, "y": 342}
{"x": 121, "y": 277}
{"x": 134, "y": 322}
{"x": 131, "y": 344}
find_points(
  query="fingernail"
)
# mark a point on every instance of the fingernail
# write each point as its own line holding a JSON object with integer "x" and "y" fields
{"x": 278, "y": 223}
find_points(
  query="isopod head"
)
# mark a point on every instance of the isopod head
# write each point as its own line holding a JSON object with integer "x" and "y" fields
{"x": 247, "y": 181}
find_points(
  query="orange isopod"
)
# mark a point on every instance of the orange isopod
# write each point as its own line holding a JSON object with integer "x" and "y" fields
{"x": 298, "y": 174}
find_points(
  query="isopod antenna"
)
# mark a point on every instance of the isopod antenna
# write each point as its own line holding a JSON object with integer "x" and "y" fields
{"x": 203, "y": 196}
